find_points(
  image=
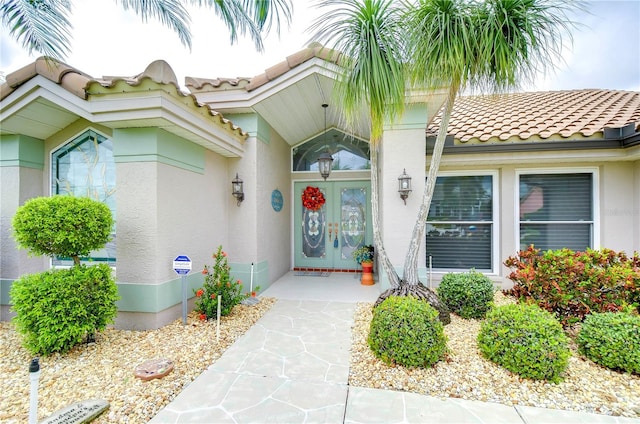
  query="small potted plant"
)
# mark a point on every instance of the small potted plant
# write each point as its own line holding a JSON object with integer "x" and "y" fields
{"x": 363, "y": 254}
{"x": 364, "y": 257}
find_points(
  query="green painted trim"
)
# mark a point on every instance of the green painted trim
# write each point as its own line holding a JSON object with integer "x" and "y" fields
{"x": 157, "y": 145}
{"x": 264, "y": 131}
{"x": 136, "y": 297}
{"x": 415, "y": 117}
{"x": 5, "y": 286}
{"x": 154, "y": 298}
{"x": 253, "y": 124}
{"x": 242, "y": 272}
{"x": 21, "y": 150}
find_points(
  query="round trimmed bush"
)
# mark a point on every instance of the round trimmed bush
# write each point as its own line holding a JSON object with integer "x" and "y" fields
{"x": 62, "y": 225}
{"x": 56, "y": 309}
{"x": 526, "y": 340}
{"x": 468, "y": 295}
{"x": 406, "y": 331}
{"x": 611, "y": 339}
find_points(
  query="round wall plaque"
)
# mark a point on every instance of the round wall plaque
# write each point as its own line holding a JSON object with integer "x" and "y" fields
{"x": 277, "y": 201}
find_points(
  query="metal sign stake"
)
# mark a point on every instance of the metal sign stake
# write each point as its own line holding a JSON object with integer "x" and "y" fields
{"x": 182, "y": 266}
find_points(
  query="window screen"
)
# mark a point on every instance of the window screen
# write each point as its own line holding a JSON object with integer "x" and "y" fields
{"x": 460, "y": 223}
{"x": 556, "y": 211}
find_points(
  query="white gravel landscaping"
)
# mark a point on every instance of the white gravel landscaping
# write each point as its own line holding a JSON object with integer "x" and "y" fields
{"x": 465, "y": 374}
{"x": 105, "y": 370}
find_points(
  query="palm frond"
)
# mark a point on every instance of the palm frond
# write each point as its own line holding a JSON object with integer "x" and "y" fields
{"x": 252, "y": 17}
{"x": 519, "y": 39}
{"x": 441, "y": 41}
{"x": 39, "y": 25}
{"x": 492, "y": 45}
{"x": 268, "y": 14}
{"x": 171, "y": 13}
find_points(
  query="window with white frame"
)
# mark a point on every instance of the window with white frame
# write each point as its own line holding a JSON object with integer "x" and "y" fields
{"x": 85, "y": 167}
{"x": 460, "y": 224}
{"x": 556, "y": 210}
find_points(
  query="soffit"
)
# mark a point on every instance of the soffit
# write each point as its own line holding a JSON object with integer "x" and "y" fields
{"x": 288, "y": 96}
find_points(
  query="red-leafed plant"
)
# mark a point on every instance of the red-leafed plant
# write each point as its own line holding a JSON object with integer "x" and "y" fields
{"x": 573, "y": 284}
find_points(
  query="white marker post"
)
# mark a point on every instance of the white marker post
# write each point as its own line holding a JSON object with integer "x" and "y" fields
{"x": 34, "y": 375}
{"x": 182, "y": 266}
{"x": 219, "y": 309}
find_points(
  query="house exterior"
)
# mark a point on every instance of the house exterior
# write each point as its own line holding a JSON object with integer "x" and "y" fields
{"x": 556, "y": 169}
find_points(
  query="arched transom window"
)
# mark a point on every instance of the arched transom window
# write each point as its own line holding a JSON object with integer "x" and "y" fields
{"x": 349, "y": 153}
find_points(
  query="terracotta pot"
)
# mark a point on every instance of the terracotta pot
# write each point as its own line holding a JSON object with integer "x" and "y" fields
{"x": 367, "y": 274}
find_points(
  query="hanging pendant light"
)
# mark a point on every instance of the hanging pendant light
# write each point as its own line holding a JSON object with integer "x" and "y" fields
{"x": 325, "y": 160}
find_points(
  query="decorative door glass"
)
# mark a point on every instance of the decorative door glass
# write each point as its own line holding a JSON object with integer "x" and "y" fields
{"x": 331, "y": 222}
{"x": 313, "y": 232}
{"x": 353, "y": 208}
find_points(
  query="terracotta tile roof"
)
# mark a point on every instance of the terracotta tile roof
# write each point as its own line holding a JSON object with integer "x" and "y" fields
{"x": 216, "y": 84}
{"x": 314, "y": 50}
{"x": 79, "y": 83}
{"x": 552, "y": 115}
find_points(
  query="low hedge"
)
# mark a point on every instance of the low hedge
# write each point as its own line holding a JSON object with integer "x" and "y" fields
{"x": 611, "y": 340}
{"x": 407, "y": 331}
{"x": 57, "y": 309}
{"x": 526, "y": 340}
{"x": 468, "y": 294}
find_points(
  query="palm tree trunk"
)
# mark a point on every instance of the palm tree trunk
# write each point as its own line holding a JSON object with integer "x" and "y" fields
{"x": 410, "y": 272}
{"x": 383, "y": 258}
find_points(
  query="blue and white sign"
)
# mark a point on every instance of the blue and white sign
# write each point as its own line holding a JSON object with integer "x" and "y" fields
{"x": 182, "y": 265}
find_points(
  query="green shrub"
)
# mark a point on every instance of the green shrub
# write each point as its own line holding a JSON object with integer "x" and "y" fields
{"x": 218, "y": 282}
{"x": 467, "y": 294}
{"x": 407, "y": 331}
{"x": 526, "y": 340}
{"x": 65, "y": 226}
{"x": 612, "y": 340}
{"x": 573, "y": 284}
{"x": 56, "y": 309}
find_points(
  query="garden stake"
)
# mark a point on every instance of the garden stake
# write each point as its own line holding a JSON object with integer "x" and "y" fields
{"x": 218, "y": 329}
{"x": 34, "y": 375}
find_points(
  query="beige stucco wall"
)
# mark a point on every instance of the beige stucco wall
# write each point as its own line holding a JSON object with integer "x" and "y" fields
{"x": 17, "y": 185}
{"x": 165, "y": 211}
{"x": 617, "y": 212}
{"x": 402, "y": 148}
{"x": 274, "y": 230}
{"x": 636, "y": 205}
{"x": 257, "y": 233}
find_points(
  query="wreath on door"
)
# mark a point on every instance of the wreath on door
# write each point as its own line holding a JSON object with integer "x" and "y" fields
{"x": 312, "y": 198}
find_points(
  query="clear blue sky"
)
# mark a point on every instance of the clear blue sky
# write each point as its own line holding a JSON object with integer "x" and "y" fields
{"x": 107, "y": 41}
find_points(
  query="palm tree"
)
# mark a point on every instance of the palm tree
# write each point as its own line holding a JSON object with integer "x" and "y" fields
{"x": 488, "y": 45}
{"x": 368, "y": 34}
{"x": 44, "y": 26}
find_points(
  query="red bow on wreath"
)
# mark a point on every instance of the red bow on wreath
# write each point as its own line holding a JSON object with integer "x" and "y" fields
{"x": 312, "y": 198}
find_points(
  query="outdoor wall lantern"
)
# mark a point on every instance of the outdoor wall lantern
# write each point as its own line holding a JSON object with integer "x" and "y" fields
{"x": 404, "y": 185}
{"x": 325, "y": 160}
{"x": 237, "y": 191}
